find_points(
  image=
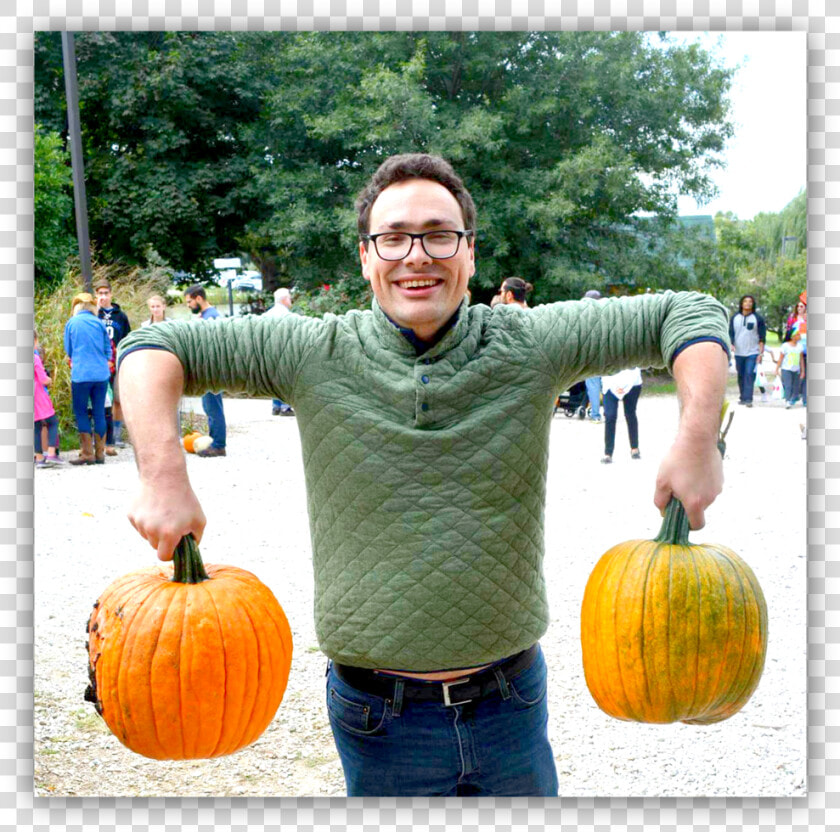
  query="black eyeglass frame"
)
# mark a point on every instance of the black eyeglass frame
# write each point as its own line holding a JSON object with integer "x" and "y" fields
{"x": 368, "y": 238}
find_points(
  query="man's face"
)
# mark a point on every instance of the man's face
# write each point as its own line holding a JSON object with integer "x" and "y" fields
{"x": 748, "y": 306}
{"x": 103, "y": 297}
{"x": 418, "y": 205}
{"x": 192, "y": 302}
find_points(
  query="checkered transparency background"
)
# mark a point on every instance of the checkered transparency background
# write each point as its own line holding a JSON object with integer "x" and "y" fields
{"x": 19, "y": 809}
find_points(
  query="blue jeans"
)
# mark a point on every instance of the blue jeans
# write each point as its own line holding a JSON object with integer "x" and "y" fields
{"x": 215, "y": 412}
{"x": 497, "y": 745}
{"x": 95, "y": 392}
{"x": 281, "y": 405}
{"x": 51, "y": 423}
{"x": 745, "y": 365}
{"x": 593, "y": 391}
{"x": 790, "y": 384}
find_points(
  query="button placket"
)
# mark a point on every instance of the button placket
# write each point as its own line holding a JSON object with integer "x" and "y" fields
{"x": 423, "y": 381}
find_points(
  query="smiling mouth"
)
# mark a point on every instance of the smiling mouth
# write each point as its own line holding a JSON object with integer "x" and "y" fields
{"x": 423, "y": 283}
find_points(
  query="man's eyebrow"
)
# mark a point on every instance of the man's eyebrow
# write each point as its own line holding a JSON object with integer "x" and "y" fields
{"x": 430, "y": 223}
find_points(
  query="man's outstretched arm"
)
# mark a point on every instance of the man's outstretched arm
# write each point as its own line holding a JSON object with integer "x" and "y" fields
{"x": 165, "y": 507}
{"x": 692, "y": 469}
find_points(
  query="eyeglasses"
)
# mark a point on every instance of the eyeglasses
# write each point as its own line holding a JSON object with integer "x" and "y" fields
{"x": 395, "y": 245}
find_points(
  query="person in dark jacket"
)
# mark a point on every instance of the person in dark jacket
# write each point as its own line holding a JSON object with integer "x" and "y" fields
{"x": 118, "y": 326}
{"x": 747, "y": 333}
{"x": 88, "y": 349}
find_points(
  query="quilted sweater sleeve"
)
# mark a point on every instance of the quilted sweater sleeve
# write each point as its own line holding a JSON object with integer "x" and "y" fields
{"x": 597, "y": 337}
{"x": 256, "y": 355}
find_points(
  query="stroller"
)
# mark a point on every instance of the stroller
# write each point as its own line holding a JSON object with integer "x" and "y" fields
{"x": 573, "y": 402}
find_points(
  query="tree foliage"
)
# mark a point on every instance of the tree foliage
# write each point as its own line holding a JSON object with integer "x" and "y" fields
{"x": 54, "y": 240}
{"x": 574, "y": 145}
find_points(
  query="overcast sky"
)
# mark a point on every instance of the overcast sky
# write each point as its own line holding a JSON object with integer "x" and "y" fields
{"x": 767, "y": 156}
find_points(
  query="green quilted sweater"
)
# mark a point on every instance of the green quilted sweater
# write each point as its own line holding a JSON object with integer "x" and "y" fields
{"x": 426, "y": 474}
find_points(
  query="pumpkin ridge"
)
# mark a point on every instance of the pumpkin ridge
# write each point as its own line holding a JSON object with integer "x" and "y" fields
{"x": 265, "y": 677}
{"x": 721, "y": 664}
{"x": 698, "y": 628}
{"x": 621, "y": 579}
{"x": 651, "y": 559}
{"x": 182, "y": 692}
{"x": 155, "y": 713}
{"x": 126, "y": 666}
{"x": 119, "y": 717}
{"x": 206, "y": 588}
{"x": 271, "y": 612}
{"x": 743, "y": 681}
{"x": 668, "y": 638}
{"x": 594, "y": 656}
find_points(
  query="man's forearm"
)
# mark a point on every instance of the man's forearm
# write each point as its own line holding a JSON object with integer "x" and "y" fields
{"x": 692, "y": 471}
{"x": 151, "y": 384}
{"x": 700, "y": 372}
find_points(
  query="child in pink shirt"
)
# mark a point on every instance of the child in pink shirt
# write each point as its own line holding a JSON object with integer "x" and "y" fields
{"x": 44, "y": 416}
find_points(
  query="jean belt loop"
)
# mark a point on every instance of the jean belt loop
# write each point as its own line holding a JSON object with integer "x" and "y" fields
{"x": 399, "y": 687}
{"x": 503, "y": 685}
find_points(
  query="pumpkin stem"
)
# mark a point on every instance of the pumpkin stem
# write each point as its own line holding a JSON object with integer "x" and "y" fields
{"x": 189, "y": 568}
{"x": 675, "y": 525}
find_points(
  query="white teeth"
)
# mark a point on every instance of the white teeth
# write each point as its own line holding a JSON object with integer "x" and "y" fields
{"x": 417, "y": 284}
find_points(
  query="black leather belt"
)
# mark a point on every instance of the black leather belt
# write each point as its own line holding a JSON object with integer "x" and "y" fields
{"x": 455, "y": 692}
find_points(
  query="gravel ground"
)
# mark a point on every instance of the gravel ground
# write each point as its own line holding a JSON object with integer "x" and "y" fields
{"x": 254, "y": 499}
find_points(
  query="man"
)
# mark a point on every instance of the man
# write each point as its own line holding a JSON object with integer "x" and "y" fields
{"x": 196, "y": 299}
{"x": 118, "y": 326}
{"x": 514, "y": 291}
{"x": 747, "y": 332}
{"x": 282, "y": 306}
{"x": 425, "y": 425}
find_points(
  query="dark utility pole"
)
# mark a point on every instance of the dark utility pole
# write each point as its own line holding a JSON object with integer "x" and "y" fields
{"x": 71, "y": 86}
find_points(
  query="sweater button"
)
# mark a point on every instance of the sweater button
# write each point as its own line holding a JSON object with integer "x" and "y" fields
{"x": 424, "y": 406}
{"x": 424, "y": 379}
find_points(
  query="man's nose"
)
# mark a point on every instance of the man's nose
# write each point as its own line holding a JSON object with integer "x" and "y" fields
{"x": 416, "y": 252}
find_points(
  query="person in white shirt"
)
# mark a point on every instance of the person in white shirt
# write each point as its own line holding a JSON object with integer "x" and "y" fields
{"x": 625, "y": 387}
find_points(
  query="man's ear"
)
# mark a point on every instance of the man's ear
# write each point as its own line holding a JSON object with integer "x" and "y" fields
{"x": 363, "y": 257}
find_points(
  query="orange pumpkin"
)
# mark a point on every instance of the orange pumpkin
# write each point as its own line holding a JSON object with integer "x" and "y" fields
{"x": 672, "y": 630}
{"x": 189, "y": 442}
{"x": 188, "y": 661}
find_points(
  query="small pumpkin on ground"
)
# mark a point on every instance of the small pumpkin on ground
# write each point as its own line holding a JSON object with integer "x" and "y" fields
{"x": 189, "y": 442}
{"x": 187, "y": 661}
{"x": 672, "y": 631}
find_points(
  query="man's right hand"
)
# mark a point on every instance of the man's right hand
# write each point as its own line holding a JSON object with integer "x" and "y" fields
{"x": 164, "y": 513}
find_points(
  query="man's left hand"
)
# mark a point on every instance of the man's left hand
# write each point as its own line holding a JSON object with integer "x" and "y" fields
{"x": 693, "y": 473}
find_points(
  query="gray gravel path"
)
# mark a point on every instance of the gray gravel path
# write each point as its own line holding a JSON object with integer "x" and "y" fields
{"x": 255, "y": 501}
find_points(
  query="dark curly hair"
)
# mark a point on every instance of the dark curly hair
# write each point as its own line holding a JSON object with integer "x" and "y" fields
{"x": 414, "y": 166}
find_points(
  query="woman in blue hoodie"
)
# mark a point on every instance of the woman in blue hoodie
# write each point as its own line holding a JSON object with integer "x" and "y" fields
{"x": 89, "y": 353}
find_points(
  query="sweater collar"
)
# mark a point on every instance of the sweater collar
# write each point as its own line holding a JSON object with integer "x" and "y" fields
{"x": 405, "y": 340}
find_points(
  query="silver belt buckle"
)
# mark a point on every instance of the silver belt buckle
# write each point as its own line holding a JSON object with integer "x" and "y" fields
{"x": 446, "y": 686}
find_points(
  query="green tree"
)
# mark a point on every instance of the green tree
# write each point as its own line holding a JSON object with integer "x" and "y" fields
{"x": 208, "y": 144}
{"x": 54, "y": 239}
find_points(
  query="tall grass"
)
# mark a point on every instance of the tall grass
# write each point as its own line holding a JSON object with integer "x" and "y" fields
{"x": 131, "y": 289}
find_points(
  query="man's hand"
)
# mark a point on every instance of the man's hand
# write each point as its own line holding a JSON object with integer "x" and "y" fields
{"x": 692, "y": 470}
{"x": 166, "y": 512}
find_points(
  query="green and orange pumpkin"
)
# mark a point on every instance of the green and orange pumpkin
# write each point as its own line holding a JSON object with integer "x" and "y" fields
{"x": 188, "y": 661}
{"x": 672, "y": 631}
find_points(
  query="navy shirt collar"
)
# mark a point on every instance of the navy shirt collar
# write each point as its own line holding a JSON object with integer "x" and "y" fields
{"x": 420, "y": 346}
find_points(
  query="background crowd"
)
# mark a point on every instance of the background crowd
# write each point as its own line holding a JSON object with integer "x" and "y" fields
{"x": 97, "y": 324}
